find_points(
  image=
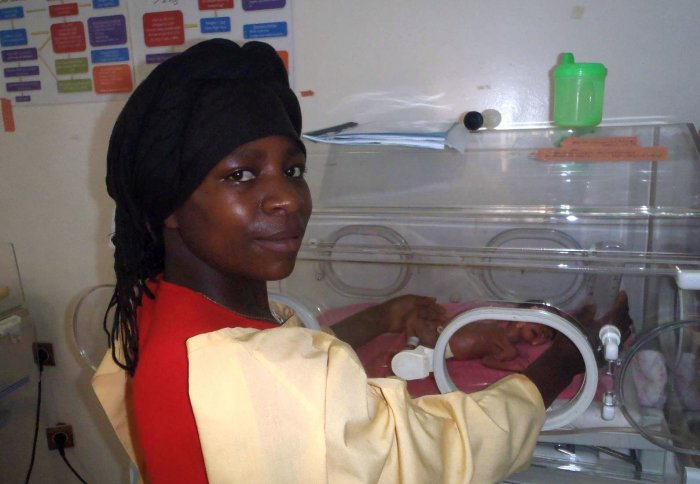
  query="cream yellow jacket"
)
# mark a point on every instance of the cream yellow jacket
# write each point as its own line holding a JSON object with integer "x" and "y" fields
{"x": 293, "y": 405}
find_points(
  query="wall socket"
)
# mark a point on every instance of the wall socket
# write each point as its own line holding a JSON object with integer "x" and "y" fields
{"x": 44, "y": 349}
{"x": 60, "y": 429}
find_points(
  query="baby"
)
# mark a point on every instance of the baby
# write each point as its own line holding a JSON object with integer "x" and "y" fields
{"x": 490, "y": 341}
{"x": 494, "y": 343}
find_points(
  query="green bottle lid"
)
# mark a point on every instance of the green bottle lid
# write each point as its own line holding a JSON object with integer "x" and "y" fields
{"x": 568, "y": 68}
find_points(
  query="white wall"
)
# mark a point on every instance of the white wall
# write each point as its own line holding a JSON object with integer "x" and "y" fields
{"x": 380, "y": 60}
{"x": 365, "y": 61}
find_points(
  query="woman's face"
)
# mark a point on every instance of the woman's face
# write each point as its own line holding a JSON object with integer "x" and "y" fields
{"x": 248, "y": 216}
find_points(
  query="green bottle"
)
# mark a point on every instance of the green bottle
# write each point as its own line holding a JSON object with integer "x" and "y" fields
{"x": 579, "y": 89}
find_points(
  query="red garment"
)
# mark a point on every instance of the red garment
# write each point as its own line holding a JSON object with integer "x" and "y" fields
{"x": 164, "y": 420}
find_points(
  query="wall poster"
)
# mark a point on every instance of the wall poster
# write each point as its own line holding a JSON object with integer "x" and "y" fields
{"x": 60, "y": 51}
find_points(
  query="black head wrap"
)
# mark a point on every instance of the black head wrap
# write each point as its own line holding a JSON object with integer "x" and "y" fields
{"x": 188, "y": 114}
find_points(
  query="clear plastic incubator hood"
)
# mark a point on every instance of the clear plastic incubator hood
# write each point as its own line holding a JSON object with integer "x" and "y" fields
{"x": 542, "y": 226}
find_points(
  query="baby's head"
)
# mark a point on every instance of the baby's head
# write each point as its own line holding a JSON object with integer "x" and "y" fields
{"x": 534, "y": 333}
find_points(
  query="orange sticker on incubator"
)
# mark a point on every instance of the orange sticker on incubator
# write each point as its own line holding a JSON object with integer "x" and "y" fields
{"x": 616, "y": 148}
{"x": 609, "y": 142}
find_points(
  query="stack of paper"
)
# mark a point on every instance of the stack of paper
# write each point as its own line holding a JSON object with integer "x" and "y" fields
{"x": 353, "y": 134}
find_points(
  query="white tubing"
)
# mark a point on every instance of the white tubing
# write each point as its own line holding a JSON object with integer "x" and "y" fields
{"x": 306, "y": 317}
{"x": 555, "y": 417}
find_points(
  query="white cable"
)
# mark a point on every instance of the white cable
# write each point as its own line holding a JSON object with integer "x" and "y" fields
{"x": 557, "y": 417}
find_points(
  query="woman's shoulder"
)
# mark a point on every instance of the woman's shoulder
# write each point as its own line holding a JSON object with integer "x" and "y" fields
{"x": 286, "y": 335}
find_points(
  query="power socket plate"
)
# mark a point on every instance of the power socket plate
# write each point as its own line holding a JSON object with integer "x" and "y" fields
{"x": 44, "y": 348}
{"x": 52, "y": 432}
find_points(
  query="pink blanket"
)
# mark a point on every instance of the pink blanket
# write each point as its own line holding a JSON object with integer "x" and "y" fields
{"x": 467, "y": 375}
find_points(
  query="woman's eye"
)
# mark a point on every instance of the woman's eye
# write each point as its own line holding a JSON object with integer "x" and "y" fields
{"x": 296, "y": 171}
{"x": 241, "y": 175}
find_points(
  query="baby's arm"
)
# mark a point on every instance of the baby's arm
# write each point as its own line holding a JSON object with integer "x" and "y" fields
{"x": 502, "y": 356}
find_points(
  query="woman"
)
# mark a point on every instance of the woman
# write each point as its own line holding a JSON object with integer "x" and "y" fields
{"x": 206, "y": 168}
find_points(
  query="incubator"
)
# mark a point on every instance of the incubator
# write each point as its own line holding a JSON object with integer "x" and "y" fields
{"x": 523, "y": 228}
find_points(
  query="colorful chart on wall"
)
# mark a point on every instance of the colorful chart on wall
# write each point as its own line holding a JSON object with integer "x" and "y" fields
{"x": 57, "y": 51}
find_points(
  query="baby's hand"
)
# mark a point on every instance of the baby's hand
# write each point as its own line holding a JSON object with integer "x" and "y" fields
{"x": 419, "y": 316}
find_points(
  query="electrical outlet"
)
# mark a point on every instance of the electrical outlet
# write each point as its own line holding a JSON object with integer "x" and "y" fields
{"x": 46, "y": 351}
{"x": 59, "y": 430}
